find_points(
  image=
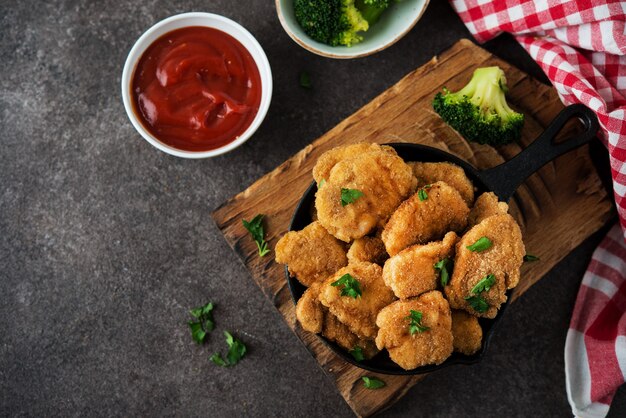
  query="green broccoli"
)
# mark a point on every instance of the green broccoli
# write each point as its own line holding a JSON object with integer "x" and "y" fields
{"x": 479, "y": 110}
{"x": 372, "y": 9}
{"x": 333, "y": 22}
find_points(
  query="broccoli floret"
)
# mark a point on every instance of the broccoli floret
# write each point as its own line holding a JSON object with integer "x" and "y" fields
{"x": 372, "y": 9}
{"x": 333, "y": 22}
{"x": 479, "y": 110}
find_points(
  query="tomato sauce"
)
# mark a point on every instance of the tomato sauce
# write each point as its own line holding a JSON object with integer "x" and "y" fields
{"x": 196, "y": 89}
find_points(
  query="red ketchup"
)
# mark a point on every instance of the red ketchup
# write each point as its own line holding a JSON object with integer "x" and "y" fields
{"x": 196, "y": 89}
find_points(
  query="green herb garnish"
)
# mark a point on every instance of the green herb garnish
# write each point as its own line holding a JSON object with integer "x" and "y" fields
{"x": 416, "y": 322}
{"x": 357, "y": 353}
{"x": 255, "y": 227}
{"x": 529, "y": 257}
{"x": 236, "y": 351}
{"x": 351, "y": 286}
{"x": 482, "y": 244}
{"x": 321, "y": 183}
{"x": 484, "y": 284}
{"x": 305, "y": 80}
{"x": 442, "y": 267}
{"x": 478, "y": 303}
{"x": 372, "y": 382}
{"x": 422, "y": 195}
{"x": 203, "y": 323}
{"x": 349, "y": 196}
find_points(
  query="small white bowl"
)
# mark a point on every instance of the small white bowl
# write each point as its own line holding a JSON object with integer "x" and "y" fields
{"x": 394, "y": 23}
{"x": 210, "y": 20}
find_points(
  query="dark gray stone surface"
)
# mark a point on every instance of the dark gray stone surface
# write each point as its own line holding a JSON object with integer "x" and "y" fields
{"x": 105, "y": 242}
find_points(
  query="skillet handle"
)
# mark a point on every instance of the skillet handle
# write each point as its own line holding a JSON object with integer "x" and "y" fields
{"x": 505, "y": 178}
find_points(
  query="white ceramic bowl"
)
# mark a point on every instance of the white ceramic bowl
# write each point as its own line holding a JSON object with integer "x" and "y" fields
{"x": 198, "y": 19}
{"x": 394, "y": 23}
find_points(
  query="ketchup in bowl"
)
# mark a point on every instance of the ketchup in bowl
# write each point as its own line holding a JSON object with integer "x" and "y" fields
{"x": 196, "y": 89}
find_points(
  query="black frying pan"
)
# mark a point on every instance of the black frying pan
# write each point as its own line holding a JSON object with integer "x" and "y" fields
{"x": 503, "y": 180}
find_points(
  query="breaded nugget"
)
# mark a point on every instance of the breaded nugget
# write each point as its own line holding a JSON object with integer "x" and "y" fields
{"x": 384, "y": 181}
{"x": 429, "y": 173}
{"x": 311, "y": 254}
{"x": 309, "y": 310}
{"x": 431, "y": 346}
{"x": 486, "y": 205}
{"x": 411, "y": 272}
{"x": 419, "y": 220}
{"x": 315, "y": 317}
{"x": 503, "y": 260}
{"x": 467, "y": 333}
{"x": 335, "y": 331}
{"x": 370, "y": 249}
{"x": 327, "y": 161}
{"x": 358, "y": 314}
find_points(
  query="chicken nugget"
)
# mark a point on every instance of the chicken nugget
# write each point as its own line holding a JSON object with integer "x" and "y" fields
{"x": 431, "y": 341}
{"x": 426, "y": 216}
{"x": 467, "y": 333}
{"x": 480, "y": 278}
{"x": 412, "y": 271}
{"x": 309, "y": 310}
{"x": 327, "y": 160}
{"x": 315, "y": 317}
{"x": 362, "y": 192}
{"x": 357, "y": 312}
{"x": 370, "y": 249}
{"x": 486, "y": 205}
{"x": 311, "y": 254}
{"x": 428, "y": 173}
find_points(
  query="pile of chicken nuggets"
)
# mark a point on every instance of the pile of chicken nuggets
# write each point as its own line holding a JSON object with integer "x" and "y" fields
{"x": 386, "y": 260}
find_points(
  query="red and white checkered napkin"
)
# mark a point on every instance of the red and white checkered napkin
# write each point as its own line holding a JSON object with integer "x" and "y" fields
{"x": 581, "y": 46}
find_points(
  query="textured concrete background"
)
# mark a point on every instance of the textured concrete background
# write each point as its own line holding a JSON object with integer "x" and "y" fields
{"x": 105, "y": 242}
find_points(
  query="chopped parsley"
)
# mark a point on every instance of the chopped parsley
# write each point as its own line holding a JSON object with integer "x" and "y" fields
{"x": 203, "y": 323}
{"x": 349, "y": 196}
{"x": 442, "y": 268}
{"x": 484, "y": 284}
{"x": 372, "y": 382}
{"x": 530, "y": 257}
{"x": 482, "y": 244}
{"x": 478, "y": 303}
{"x": 255, "y": 227}
{"x": 321, "y": 183}
{"x": 422, "y": 195}
{"x": 305, "y": 80}
{"x": 357, "y": 353}
{"x": 351, "y": 286}
{"x": 236, "y": 351}
{"x": 416, "y": 322}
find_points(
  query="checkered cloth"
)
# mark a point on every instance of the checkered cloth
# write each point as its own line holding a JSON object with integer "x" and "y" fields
{"x": 581, "y": 46}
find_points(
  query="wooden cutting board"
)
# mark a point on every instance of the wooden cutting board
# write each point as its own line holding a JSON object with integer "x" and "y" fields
{"x": 564, "y": 200}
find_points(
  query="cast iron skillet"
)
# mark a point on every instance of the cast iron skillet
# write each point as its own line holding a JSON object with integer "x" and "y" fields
{"x": 503, "y": 180}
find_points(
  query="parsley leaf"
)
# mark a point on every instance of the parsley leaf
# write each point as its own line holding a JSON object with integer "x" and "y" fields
{"x": 482, "y": 244}
{"x": 416, "y": 322}
{"x": 203, "y": 324}
{"x": 305, "y": 80}
{"x": 529, "y": 257}
{"x": 422, "y": 195}
{"x": 372, "y": 382}
{"x": 321, "y": 183}
{"x": 349, "y": 196}
{"x": 478, "y": 303}
{"x": 236, "y": 351}
{"x": 351, "y": 286}
{"x": 357, "y": 353}
{"x": 484, "y": 284}
{"x": 442, "y": 267}
{"x": 255, "y": 227}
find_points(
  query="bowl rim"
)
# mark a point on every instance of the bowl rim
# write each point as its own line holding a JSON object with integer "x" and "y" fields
{"x": 230, "y": 27}
{"x": 488, "y": 325}
{"x": 304, "y": 44}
